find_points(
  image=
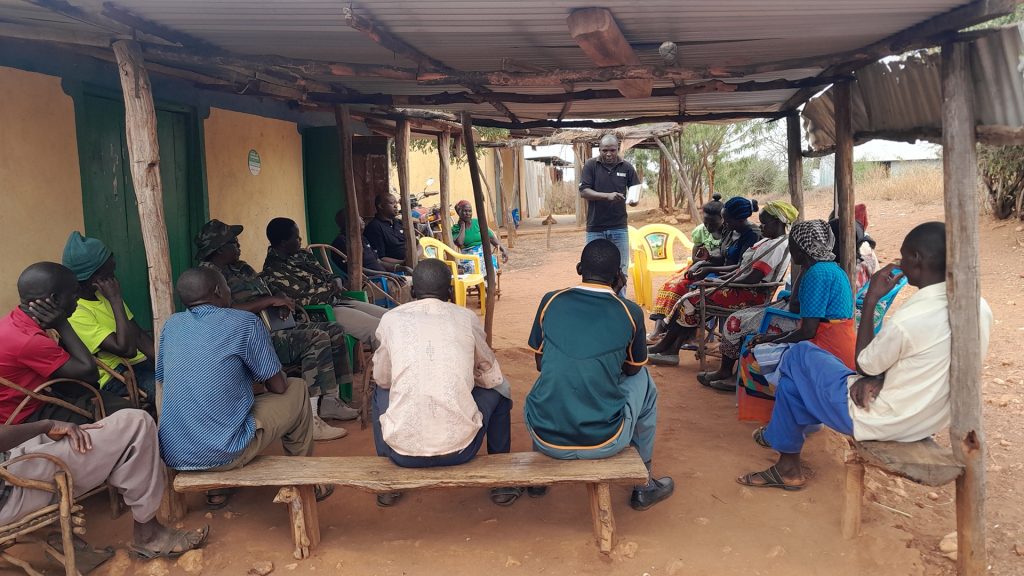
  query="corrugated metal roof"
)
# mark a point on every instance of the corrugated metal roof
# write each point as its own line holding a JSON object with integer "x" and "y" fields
{"x": 476, "y": 35}
{"x": 906, "y": 95}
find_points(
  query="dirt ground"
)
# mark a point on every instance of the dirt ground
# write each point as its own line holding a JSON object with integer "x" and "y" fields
{"x": 711, "y": 526}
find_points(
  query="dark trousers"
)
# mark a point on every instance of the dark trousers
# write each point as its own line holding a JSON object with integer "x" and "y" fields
{"x": 111, "y": 402}
{"x": 497, "y": 426}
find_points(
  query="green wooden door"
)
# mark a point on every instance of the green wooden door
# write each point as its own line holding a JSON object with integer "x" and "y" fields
{"x": 324, "y": 190}
{"x": 108, "y": 197}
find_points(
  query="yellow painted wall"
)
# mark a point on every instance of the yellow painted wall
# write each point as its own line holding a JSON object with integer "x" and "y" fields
{"x": 40, "y": 183}
{"x": 238, "y": 197}
{"x": 423, "y": 165}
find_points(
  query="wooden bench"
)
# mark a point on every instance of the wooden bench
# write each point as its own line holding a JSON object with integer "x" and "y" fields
{"x": 923, "y": 462}
{"x": 297, "y": 477}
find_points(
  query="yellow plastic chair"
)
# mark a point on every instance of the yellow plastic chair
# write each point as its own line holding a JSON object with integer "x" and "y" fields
{"x": 461, "y": 283}
{"x": 641, "y": 278}
{"x": 658, "y": 241}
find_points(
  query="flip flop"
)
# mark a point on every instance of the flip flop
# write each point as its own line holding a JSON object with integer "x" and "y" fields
{"x": 770, "y": 478}
{"x": 505, "y": 496}
{"x": 323, "y": 491}
{"x": 182, "y": 540}
{"x": 218, "y": 498}
{"x": 87, "y": 558}
{"x": 759, "y": 438}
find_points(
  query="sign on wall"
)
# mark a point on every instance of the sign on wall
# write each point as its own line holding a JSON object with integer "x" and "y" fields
{"x": 254, "y": 163}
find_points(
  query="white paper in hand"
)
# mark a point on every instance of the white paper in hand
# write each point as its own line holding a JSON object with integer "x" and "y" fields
{"x": 633, "y": 193}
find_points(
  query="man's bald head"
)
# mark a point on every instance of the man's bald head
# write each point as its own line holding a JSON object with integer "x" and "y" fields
{"x": 203, "y": 285}
{"x": 609, "y": 150}
{"x": 610, "y": 140}
{"x": 432, "y": 278}
{"x": 44, "y": 279}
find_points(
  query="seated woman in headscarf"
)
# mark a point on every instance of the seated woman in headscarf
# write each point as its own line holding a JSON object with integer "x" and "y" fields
{"x": 466, "y": 234}
{"x": 824, "y": 300}
{"x": 765, "y": 261}
{"x": 821, "y": 297}
{"x": 737, "y": 236}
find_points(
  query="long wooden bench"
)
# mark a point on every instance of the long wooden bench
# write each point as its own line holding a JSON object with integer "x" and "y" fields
{"x": 297, "y": 477}
{"x": 923, "y": 462}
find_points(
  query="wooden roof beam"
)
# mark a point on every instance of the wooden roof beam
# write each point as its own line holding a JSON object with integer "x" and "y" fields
{"x": 599, "y": 36}
{"x": 609, "y": 124}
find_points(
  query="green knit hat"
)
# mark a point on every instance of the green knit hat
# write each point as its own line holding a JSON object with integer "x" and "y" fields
{"x": 84, "y": 256}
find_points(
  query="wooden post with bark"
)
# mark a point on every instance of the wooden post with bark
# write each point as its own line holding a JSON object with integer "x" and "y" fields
{"x": 144, "y": 158}
{"x": 794, "y": 154}
{"x": 353, "y": 230}
{"x": 960, "y": 185}
{"x": 444, "y": 154}
{"x": 844, "y": 180}
{"x": 579, "y": 151}
{"x": 402, "y": 133}
{"x": 481, "y": 215}
{"x": 506, "y": 199}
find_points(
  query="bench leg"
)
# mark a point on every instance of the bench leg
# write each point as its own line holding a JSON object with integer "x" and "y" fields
{"x": 601, "y": 511}
{"x": 854, "y": 494}
{"x": 173, "y": 506}
{"x": 305, "y": 519}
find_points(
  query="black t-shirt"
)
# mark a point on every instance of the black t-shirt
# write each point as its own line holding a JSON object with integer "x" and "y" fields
{"x": 370, "y": 260}
{"x": 602, "y": 215}
{"x": 386, "y": 238}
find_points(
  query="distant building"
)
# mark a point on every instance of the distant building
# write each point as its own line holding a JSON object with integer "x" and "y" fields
{"x": 894, "y": 158}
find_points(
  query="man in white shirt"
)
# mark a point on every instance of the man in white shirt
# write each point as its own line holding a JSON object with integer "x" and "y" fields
{"x": 900, "y": 391}
{"x": 439, "y": 386}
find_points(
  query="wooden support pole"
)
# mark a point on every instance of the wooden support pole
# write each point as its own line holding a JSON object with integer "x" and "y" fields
{"x": 444, "y": 154}
{"x": 510, "y": 223}
{"x": 580, "y": 157}
{"x": 960, "y": 169}
{"x": 853, "y": 498}
{"x": 796, "y": 163}
{"x": 844, "y": 180}
{"x": 402, "y": 157}
{"x": 674, "y": 163}
{"x": 353, "y": 227}
{"x": 144, "y": 157}
{"x": 601, "y": 514}
{"x": 481, "y": 215}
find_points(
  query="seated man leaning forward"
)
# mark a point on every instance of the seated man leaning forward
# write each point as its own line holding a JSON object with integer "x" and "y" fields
{"x": 900, "y": 391}
{"x": 211, "y": 356}
{"x": 439, "y": 386}
{"x": 103, "y": 320}
{"x": 594, "y": 397}
{"x": 120, "y": 450}
{"x": 29, "y": 357}
{"x": 294, "y": 272}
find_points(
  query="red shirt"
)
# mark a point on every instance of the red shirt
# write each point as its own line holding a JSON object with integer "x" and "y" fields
{"x": 28, "y": 357}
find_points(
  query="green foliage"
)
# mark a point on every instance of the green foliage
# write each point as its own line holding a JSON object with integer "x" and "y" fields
{"x": 429, "y": 145}
{"x": 1002, "y": 171}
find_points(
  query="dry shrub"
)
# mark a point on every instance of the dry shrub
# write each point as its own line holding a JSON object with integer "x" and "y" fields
{"x": 915, "y": 185}
{"x": 561, "y": 198}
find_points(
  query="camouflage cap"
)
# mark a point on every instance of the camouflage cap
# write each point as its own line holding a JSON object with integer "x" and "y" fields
{"x": 213, "y": 235}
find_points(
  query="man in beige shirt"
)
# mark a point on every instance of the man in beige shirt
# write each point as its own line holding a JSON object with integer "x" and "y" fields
{"x": 439, "y": 386}
{"x": 900, "y": 391}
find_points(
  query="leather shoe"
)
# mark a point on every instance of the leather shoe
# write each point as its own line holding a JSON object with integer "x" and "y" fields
{"x": 537, "y": 491}
{"x": 656, "y": 490}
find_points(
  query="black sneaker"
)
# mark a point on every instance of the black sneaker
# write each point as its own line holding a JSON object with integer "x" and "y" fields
{"x": 656, "y": 490}
{"x": 537, "y": 491}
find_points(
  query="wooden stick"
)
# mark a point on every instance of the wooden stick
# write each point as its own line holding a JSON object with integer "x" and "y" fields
{"x": 796, "y": 163}
{"x": 674, "y": 163}
{"x": 959, "y": 163}
{"x": 853, "y": 498}
{"x": 602, "y": 516}
{"x": 353, "y": 227}
{"x": 402, "y": 158}
{"x": 444, "y": 154}
{"x": 144, "y": 154}
{"x": 481, "y": 215}
{"x": 510, "y": 224}
{"x": 844, "y": 180}
{"x": 580, "y": 157}
{"x": 66, "y": 526}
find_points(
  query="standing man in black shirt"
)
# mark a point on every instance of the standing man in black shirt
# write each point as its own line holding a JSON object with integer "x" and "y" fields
{"x": 386, "y": 235}
{"x": 603, "y": 185}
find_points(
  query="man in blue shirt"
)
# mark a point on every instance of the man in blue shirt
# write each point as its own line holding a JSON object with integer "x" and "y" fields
{"x": 594, "y": 397}
{"x": 210, "y": 358}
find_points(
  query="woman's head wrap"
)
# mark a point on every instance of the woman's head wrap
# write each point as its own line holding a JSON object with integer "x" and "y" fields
{"x": 461, "y": 203}
{"x": 860, "y": 214}
{"x": 815, "y": 238}
{"x": 739, "y": 208}
{"x": 84, "y": 256}
{"x": 783, "y": 211}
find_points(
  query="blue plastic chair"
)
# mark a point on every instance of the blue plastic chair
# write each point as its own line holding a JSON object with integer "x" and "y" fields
{"x": 883, "y": 304}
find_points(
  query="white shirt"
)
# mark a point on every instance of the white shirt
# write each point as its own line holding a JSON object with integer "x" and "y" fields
{"x": 431, "y": 355}
{"x": 913, "y": 351}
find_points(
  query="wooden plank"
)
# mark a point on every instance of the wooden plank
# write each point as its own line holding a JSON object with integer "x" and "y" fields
{"x": 795, "y": 163}
{"x": 598, "y": 34}
{"x": 924, "y": 462}
{"x": 375, "y": 474}
{"x": 853, "y": 497}
{"x": 144, "y": 154}
{"x": 844, "y": 180}
{"x": 960, "y": 173}
{"x": 402, "y": 159}
{"x": 444, "y": 155}
{"x": 353, "y": 229}
{"x": 481, "y": 215}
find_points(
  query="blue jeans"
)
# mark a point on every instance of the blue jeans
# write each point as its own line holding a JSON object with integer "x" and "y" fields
{"x": 640, "y": 416}
{"x": 812, "y": 390}
{"x": 619, "y": 237}
{"x": 497, "y": 426}
{"x": 145, "y": 379}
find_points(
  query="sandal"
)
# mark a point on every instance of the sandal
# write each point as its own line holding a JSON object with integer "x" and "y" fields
{"x": 176, "y": 543}
{"x": 323, "y": 491}
{"x": 505, "y": 496}
{"x": 759, "y": 438}
{"x": 219, "y": 498}
{"x": 770, "y": 478}
{"x": 87, "y": 558}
